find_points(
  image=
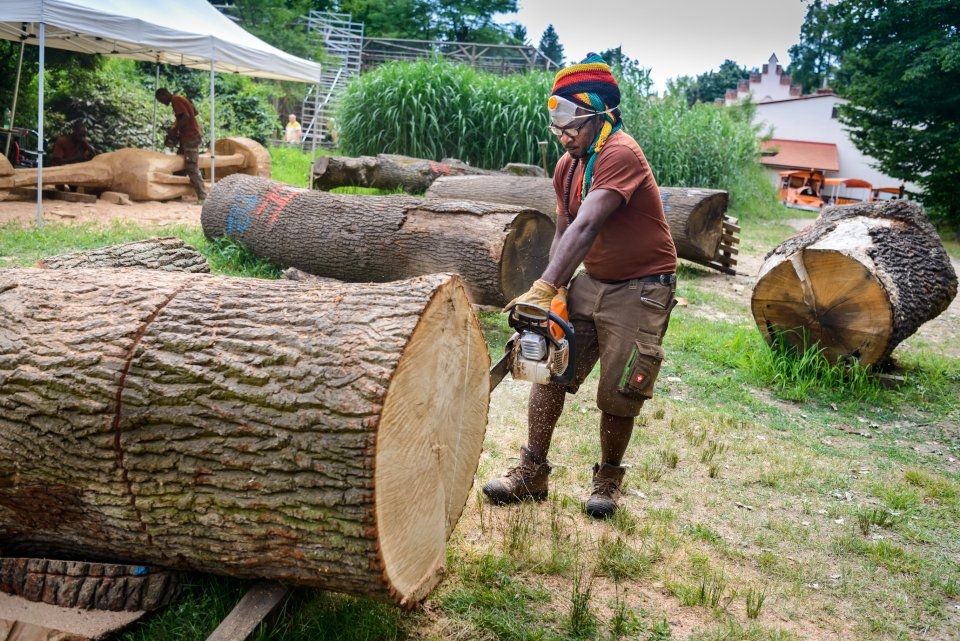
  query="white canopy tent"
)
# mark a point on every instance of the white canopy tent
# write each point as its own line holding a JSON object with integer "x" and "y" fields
{"x": 190, "y": 33}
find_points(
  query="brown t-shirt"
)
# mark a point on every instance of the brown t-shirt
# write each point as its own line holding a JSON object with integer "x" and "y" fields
{"x": 635, "y": 240}
{"x": 186, "y": 118}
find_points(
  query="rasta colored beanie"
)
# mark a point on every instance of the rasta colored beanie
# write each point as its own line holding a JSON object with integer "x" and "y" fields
{"x": 591, "y": 76}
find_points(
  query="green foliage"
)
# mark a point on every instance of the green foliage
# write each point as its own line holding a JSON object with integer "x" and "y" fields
{"x": 436, "y": 109}
{"x": 550, "y": 45}
{"x": 814, "y": 60}
{"x": 470, "y": 20}
{"x": 900, "y": 70}
{"x": 227, "y": 256}
{"x": 109, "y": 98}
{"x": 712, "y": 85}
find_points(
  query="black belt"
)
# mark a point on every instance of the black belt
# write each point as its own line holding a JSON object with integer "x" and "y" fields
{"x": 663, "y": 279}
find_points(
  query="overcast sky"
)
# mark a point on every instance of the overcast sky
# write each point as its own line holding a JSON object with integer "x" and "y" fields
{"x": 670, "y": 37}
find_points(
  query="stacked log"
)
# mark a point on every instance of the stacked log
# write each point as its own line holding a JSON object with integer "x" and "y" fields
{"x": 319, "y": 434}
{"x": 391, "y": 172}
{"x": 857, "y": 282}
{"x": 499, "y": 250}
{"x": 701, "y": 231}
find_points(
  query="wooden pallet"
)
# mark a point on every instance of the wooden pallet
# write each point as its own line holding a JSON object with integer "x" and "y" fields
{"x": 725, "y": 259}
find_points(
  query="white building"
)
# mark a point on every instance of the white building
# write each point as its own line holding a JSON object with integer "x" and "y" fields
{"x": 806, "y": 133}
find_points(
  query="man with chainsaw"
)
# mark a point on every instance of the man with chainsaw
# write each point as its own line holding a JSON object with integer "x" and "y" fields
{"x": 609, "y": 218}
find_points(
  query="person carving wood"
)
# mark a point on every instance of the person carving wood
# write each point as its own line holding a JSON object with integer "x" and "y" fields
{"x": 610, "y": 218}
{"x": 186, "y": 133}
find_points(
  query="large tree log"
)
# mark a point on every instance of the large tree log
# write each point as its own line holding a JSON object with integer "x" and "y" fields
{"x": 143, "y": 174}
{"x": 389, "y": 171}
{"x": 499, "y": 250}
{"x": 696, "y": 216}
{"x": 319, "y": 434}
{"x": 858, "y": 281}
{"x": 168, "y": 253}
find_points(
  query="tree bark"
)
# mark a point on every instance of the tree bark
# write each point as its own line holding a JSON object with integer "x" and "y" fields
{"x": 168, "y": 254}
{"x": 698, "y": 223}
{"x": 319, "y": 434}
{"x": 89, "y": 586}
{"x": 858, "y": 281}
{"x": 499, "y": 250}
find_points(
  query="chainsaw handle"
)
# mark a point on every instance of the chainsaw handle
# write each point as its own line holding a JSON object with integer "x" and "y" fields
{"x": 567, "y": 327}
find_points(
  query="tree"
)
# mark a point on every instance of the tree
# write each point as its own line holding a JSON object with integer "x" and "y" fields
{"x": 900, "y": 70}
{"x": 814, "y": 60}
{"x": 550, "y": 45}
{"x": 406, "y": 19}
{"x": 711, "y": 85}
{"x": 470, "y": 20}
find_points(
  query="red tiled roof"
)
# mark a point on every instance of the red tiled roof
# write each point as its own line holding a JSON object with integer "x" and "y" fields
{"x": 799, "y": 154}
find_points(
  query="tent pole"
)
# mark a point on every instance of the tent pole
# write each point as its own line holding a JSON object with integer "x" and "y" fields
{"x": 16, "y": 94}
{"x": 40, "y": 85}
{"x": 213, "y": 130}
{"x": 156, "y": 85}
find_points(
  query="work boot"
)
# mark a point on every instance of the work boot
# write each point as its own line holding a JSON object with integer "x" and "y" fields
{"x": 525, "y": 481}
{"x": 606, "y": 490}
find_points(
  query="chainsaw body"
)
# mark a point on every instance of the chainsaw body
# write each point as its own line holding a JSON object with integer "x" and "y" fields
{"x": 541, "y": 350}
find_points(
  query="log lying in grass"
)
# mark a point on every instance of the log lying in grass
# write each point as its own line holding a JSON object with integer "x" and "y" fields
{"x": 390, "y": 172}
{"x": 698, "y": 223}
{"x": 499, "y": 250}
{"x": 858, "y": 281}
{"x": 168, "y": 254}
{"x": 318, "y": 434}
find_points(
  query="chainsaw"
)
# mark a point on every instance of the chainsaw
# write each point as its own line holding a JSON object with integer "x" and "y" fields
{"x": 541, "y": 349}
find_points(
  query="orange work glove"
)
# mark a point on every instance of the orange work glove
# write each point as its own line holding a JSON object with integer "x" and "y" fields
{"x": 541, "y": 294}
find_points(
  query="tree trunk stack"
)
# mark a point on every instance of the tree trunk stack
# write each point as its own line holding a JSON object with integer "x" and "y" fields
{"x": 499, "y": 250}
{"x": 391, "y": 171}
{"x": 314, "y": 433}
{"x": 697, "y": 218}
{"x": 858, "y": 281}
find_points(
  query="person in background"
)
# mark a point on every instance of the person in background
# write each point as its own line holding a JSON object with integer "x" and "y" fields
{"x": 610, "y": 218}
{"x": 185, "y": 132}
{"x": 291, "y": 135}
{"x": 73, "y": 147}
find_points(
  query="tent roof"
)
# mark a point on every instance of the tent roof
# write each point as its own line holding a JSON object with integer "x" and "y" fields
{"x": 191, "y": 33}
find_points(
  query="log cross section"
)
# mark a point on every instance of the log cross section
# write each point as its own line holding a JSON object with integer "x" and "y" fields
{"x": 308, "y": 432}
{"x": 856, "y": 282}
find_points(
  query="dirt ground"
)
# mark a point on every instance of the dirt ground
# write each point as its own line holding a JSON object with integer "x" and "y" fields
{"x": 60, "y": 211}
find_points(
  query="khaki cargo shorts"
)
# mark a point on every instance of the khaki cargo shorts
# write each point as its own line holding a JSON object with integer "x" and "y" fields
{"x": 621, "y": 325}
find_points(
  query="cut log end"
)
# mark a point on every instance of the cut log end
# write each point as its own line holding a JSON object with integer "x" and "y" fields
{"x": 525, "y": 255}
{"x": 828, "y": 298}
{"x": 429, "y": 442}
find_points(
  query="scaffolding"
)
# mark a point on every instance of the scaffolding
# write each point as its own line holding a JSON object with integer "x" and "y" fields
{"x": 343, "y": 43}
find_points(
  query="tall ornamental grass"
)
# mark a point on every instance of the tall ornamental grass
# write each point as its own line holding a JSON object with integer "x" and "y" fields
{"x": 435, "y": 109}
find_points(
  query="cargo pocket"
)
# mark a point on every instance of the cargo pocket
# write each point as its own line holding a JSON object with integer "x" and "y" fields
{"x": 641, "y": 370}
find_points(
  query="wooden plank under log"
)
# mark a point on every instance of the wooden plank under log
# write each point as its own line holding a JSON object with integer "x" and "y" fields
{"x": 498, "y": 250}
{"x": 320, "y": 434}
{"x": 856, "y": 282}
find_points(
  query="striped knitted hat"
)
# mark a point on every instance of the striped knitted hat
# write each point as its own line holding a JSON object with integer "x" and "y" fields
{"x": 591, "y": 76}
